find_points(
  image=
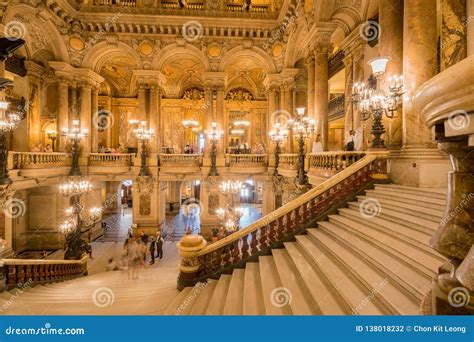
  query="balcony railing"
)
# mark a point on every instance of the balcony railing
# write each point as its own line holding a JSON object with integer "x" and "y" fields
{"x": 200, "y": 262}
{"x": 288, "y": 161}
{"x": 30, "y": 272}
{"x": 333, "y": 161}
{"x": 109, "y": 159}
{"x": 246, "y": 160}
{"x": 36, "y": 160}
{"x": 180, "y": 160}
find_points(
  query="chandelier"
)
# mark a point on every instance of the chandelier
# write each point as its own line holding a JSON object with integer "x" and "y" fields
{"x": 75, "y": 133}
{"x": 75, "y": 187}
{"x": 303, "y": 125}
{"x": 237, "y": 131}
{"x": 10, "y": 121}
{"x": 190, "y": 123}
{"x": 214, "y": 134}
{"x": 279, "y": 134}
{"x": 377, "y": 102}
{"x": 241, "y": 123}
{"x": 230, "y": 187}
{"x": 142, "y": 133}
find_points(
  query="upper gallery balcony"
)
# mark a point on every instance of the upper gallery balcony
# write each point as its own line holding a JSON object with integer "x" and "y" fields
{"x": 246, "y": 163}
{"x": 180, "y": 163}
{"x": 259, "y": 8}
{"x": 108, "y": 163}
{"x": 37, "y": 164}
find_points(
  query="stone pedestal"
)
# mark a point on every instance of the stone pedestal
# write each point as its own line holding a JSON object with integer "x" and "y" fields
{"x": 145, "y": 204}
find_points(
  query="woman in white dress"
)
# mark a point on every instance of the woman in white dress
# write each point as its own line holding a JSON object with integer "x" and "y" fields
{"x": 317, "y": 145}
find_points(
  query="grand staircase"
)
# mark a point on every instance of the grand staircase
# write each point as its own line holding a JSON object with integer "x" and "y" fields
{"x": 372, "y": 258}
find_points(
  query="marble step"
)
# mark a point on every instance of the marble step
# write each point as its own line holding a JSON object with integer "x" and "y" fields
{"x": 234, "y": 300}
{"x": 409, "y": 236}
{"x": 253, "y": 296}
{"x": 355, "y": 293}
{"x": 412, "y": 209}
{"x": 439, "y": 193}
{"x": 175, "y": 307}
{"x": 412, "y": 283}
{"x": 329, "y": 300}
{"x": 401, "y": 218}
{"x": 272, "y": 287}
{"x": 204, "y": 293}
{"x": 217, "y": 302}
{"x": 299, "y": 297}
{"x": 417, "y": 197}
{"x": 375, "y": 284}
{"x": 422, "y": 202}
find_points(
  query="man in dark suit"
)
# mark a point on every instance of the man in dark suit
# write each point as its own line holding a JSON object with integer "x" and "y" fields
{"x": 152, "y": 250}
{"x": 159, "y": 245}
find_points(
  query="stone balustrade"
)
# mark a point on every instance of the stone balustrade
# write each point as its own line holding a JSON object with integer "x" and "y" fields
{"x": 248, "y": 163}
{"x": 333, "y": 161}
{"x": 323, "y": 165}
{"x": 123, "y": 3}
{"x": 110, "y": 159}
{"x": 288, "y": 161}
{"x": 180, "y": 163}
{"x": 36, "y": 160}
{"x": 30, "y": 272}
{"x": 180, "y": 159}
{"x": 200, "y": 261}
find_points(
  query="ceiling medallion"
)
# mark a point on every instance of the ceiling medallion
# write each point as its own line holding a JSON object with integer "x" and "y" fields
{"x": 146, "y": 48}
{"x": 76, "y": 43}
{"x": 214, "y": 51}
{"x": 277, "y": 50}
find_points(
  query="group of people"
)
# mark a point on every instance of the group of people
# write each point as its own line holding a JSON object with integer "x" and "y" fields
{"x": 245, "y": 148}
{"x": 190, "y": 149}
{"x": 40, "y": 148}
{"x": 119, "y": 149}
{"x": 137, "y": 251}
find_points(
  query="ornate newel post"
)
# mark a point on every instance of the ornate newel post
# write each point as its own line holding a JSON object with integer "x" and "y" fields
{"x": 453, "y": 291}
{"x": 189, "y": 246}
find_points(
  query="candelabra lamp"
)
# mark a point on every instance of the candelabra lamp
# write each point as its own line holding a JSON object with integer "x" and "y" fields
{"x": 302, "y": 127}
{"x": 74, "y": 135}
{"x": 214, "y": 135}
{"x": 378, "y": 102}
{"x": 9, "y": 120}
{"x": 52, "y": 135}
{"x": 76, "y": 225}
{"x": 277, "y": 136}
{"x": 143, "y": 135}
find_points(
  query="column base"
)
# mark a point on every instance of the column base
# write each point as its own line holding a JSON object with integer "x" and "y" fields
{"x": 419, "y": 167}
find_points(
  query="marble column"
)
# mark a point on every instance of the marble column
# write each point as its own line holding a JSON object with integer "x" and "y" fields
{"x": 288, "y": 105}
{"x": 141, "y": 102}
{"x": 86, "y": 115}
{"x": 63, "y": 113}
{"x": 209, "y": 118}
{"x": 34, "y": 115}
{"x": 348, "y": 105}
{"x": 73, "y": 99}
{"x": 221, "y": 122}
{"x": 419, "y": 65}
{"x": 95, "y": 120}
{"x": 391, "y": 44}
{"x": 155, "y": 96}
{"x": 321, "y": 89}
{"x": 311, "y": 83}
{"x": 470, "y": 26}
{"x": 272, "y": 106}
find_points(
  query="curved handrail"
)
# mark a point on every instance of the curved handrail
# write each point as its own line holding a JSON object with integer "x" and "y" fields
{"x": 283, "y": 210}
{"x": 199, "y": 261}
